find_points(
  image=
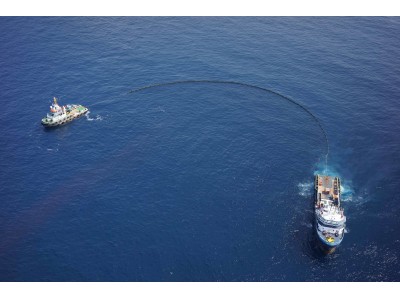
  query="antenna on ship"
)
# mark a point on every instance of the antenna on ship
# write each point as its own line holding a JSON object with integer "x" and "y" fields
{"x": 55, "y": 100}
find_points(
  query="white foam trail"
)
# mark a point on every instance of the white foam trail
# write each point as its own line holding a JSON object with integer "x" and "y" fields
{"x": 159, "y": 108}
{"x": 322, "y": 168}
{"x": 346, "y": 187}
{"x": 305, "y": 189}
{"x": 347, "y": 193}
{"x": 98, "y": 117}
{"x": 308, "y": 225}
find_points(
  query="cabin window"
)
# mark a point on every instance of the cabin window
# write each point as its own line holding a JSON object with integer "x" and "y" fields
{"x": 332, "y": 225}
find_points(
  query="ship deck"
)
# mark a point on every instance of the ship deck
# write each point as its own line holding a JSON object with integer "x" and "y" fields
{"x": 327, "y": 187}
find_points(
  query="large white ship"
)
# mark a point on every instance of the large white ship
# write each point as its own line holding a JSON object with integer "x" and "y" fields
{"x": 330, "y": 221}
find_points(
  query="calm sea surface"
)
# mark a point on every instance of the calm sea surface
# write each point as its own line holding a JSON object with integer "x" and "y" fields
{"x": 197, "y": 181}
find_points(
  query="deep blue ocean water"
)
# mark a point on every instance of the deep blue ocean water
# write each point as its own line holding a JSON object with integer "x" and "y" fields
{"x": 198, "y": 181}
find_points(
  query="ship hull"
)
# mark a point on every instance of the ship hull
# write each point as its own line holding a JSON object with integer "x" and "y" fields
{"x": 67, "y": 119}
{"x": 324, "y": 245}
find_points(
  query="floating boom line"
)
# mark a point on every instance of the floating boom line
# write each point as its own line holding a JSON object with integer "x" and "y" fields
{"x": 244, "y": 85}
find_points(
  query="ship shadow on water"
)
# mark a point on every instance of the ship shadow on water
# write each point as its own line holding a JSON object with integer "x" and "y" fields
{"x": 50, "y": 129}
